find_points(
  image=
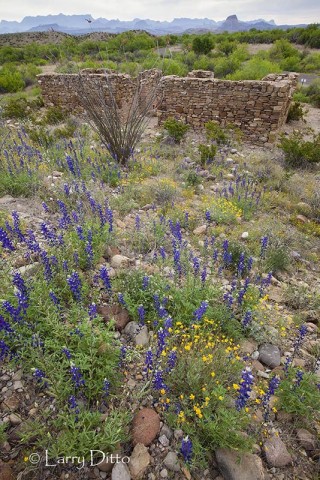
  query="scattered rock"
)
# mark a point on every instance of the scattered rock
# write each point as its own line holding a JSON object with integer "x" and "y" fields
{"x": 269, "y": 355}
{"x": 14, "y": 419}
{"x": 302, "y": 218}
{"x": 146, "y": 426}
{"x": 248, "y": 346}
{"x": 119, "y": 261}
{"x": 236, "y": 466}
{"x": 11, "y": 403}
{"x": 139, "y": 461}
{"x": 171, "y": 461}
{"x": 29, "y": 270}
{"x": 276, "y": 452}
{"x": 119, "y": 314}
{"x": 306, "y": 439}
{"x": 200, "y": 230}
{"x": 284, "y": 417}
{"x": 165, "y": 430}
{"x": 245, "y": 235}
{"x": 164, "y": 441}
{"x": 120, "y": 472}
{"x": 138, "y": 333}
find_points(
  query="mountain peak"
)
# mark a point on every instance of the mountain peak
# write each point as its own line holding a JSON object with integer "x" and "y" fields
{"x": 232, "y": 18}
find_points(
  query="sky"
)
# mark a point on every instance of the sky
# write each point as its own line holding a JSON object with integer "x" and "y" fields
{"x": 282, "y": 11}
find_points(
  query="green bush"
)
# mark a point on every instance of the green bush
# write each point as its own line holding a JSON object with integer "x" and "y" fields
{"x": 296, "y": 112}
{"x": 215, "y": 133}
{"x": 21, "y": 107}
{"x": 176, "y": 129}
{"x": 202, "y": 44}
{"x": 11, "y": 80}
{"x": 207, "y": 153}
{"x": 54, "y": 115}
{"x": 299, "y": 152}
{"x": 313, "y": 92}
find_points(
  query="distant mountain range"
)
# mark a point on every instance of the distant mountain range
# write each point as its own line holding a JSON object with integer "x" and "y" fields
{"x": 82, "y": 24}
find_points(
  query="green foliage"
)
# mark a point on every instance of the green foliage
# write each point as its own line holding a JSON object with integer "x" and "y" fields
{"x": 255, "y": 69}
{"x": 18, "y": 184}
{"x": 216, "y": 133}
{"x": 202, "y": 44}
{"x": 299, "y": 399}
{"x": 192, "y": 179}
{"x": 207, "y": 153}
{"x": 176, "y": 129}
{"x": 313, "y": 93}
{"x": 299, "y": 152}
{"x": 54, "y": 115}
{"x": 296, "y": 112}
{"x": 277, "y": 255}
{"x": 11, "y": 80}
{"x": 3, "y": 435}
{"x": 226, "y": 47}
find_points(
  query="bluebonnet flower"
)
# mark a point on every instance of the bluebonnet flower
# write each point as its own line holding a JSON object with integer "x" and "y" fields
{"x": 121, "y": 299}
{"x": 80, "y": 233}
{"x": 177, "y": 263}
{"x": 172, "y": 359}
{"x": 287, "y": 364}
{"x": 145, "y": 282}
{"x": 106, "y": 388}
{"x": 45, "y": 207}
{"x": 226, "y": 255}
{"x": 75, "y": 285}
{"x": 70, "y": 164}
{"x": 48, "y": 233}
{"x": 4, "y": 350}
{"x": 66, "y": 189}
{"x": 198, "y": 314}
{"x": 92, "y": 311}
{"x": 76, "y": 376}
{"x": 148, "y": 362}
{"x": 273, "y": 385}
{"x": 89, "y": 248}
{"x": 203, "y": 275}
{"x": 162, "y": 253}
{"x": 65, "y": 219}
{"x": 161, "y": 336}
{"x": 186, "y": 219}
{"x": 74, "y": 406}
{"x": 208, "y": 216}
{"x": 109, "y": 215}
{"x": 15, "y": 313}
{"x": 249, "y": 264}
{"x": 141, "y": 314}
{"x": 302, "y": 332}
{"x": 46, "y": 264}
{"x": 40, "y": 376}
{"x": 228, "y": 299}
{"x": 176, "y": 230}
{"x": 241, "y": 264}
{"x": 67, "y": 353}
{"x": 54, "y": 298}
{"x": 299, "y": 377}
{"x": 241, "y": 295}
{"x": 264, "y": 244}
{"x": 158, "y": 382}
{"x": 247, "y": 319}
{"x": 16, "y": 226}
{"x": 138, "y": 223}
{"x": 186, "y": 449}
{"x": 104, "y": 275}
{"x": 245, "y": 388}
{"x": 5, "y": 240}
{"x": 5, "y": 326}
{"x": 196, "y": 265}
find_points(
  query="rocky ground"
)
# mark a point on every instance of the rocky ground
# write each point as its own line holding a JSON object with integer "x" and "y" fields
{"x": 287, "y": 447}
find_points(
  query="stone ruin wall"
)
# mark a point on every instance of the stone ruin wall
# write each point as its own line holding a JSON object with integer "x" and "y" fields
{"x": 258, "y": 108}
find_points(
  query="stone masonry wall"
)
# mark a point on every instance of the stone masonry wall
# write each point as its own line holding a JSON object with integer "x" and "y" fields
{"x": 258, "y": 108}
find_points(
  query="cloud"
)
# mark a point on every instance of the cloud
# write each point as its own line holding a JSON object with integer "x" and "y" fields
{"x": 282, "y": 11}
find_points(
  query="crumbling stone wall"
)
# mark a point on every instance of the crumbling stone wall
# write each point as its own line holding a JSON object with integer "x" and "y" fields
{"x": 258, "y": 108}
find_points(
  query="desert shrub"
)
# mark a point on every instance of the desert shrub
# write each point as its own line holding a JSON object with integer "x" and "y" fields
{"x": 299, "y": 152}
{"x": 313, "y": 93}
{"x": 216, "y": 133}
{"x": 54, "y": 115}
{"x": 11, "y": 80}
{"x": 176, "y": 129}
{"x": 207, "y": 153}
{"x": 296, "y": 112}
{"x": 277, "y": 255}
{"x": 202, "y": 44}
{"x": 192, "y": 179}
{"x": 29, "y": 73}
{"x": 20, "y": 106}
{"x": 254, "y": 69}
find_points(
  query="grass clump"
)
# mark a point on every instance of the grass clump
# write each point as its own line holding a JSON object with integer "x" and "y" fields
{"x": 207, "y": 153}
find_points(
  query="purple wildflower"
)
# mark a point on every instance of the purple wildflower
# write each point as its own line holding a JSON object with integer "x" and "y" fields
{"x": 5, "y": 240}
{"x": 76, "y": 376}
{"x": 245, "y": 388}
{"x": 75, "y": 285}
{"x": 104, "y": 275}
{"x": 186, "y": 449}
{"x": 198, "y": 314}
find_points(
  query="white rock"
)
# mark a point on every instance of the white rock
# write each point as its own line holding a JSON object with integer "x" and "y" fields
{"x": 245, "y": 235}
